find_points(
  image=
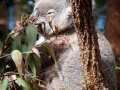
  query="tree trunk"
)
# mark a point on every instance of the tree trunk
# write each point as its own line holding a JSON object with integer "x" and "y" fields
{"x": 112, "y": 28}
{"x": 3, "y": 12}
{"x": 112, "y": 31}
{"x": 88, "y": 43}
{"x": 3, "y": 19}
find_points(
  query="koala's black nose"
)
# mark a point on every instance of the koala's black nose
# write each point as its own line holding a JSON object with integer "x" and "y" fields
{"x": 34, "y": 15}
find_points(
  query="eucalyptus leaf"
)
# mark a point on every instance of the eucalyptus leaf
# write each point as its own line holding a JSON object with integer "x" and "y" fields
{"x": 9, "y": 36}
{"x": 2, "y": 64}
{"x": 28, "y": 80}
{"x": 24, "y": 84}
{"x": 14, "y": 46}
{"x": 37, "y": 65}
{"x": 14, "y": 35}
{"x": 8, "y": 40}
{"x": 18, "y": 42}
{"x": 36, "y": 51}
{"x": 3, "y": 85}
{"x": 24, "y": 49}
{"x": 31, "y": 33}
{"x": 17, "y": 58}
{"x": 34, "y": 64}
{"x": 1, "y": 47}
{"x": 46, "y": 46}
{"x": 23, "y": 36}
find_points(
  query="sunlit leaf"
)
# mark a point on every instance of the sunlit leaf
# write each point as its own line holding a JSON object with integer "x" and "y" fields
{"x": 46, "y": 46}
{"x": 24, "y": 83}
{"x": 31, "y": 33}
{"x": 9, "y": 36}
{"x": 17, "y": 58}
{"x": 8, "y": 40}
{"x": 35, "y": 50}
{"x": 3, "y": 85}
{"x": 6, "y": 44}
{"x": 1, "y": 46}
{"x": 14, "y": 35}
{"x": 2, "y": 64}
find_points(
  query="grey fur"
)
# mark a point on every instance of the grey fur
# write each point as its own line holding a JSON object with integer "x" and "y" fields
{"x": 70, "y": 75}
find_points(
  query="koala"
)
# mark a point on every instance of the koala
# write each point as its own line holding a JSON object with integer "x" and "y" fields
{"x": 69, "y": 75}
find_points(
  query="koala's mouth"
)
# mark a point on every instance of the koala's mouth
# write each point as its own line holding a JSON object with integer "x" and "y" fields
{"x": 41, "y": 28}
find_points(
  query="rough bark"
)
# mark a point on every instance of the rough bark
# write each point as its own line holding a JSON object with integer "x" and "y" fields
{"x": 112, "y": 31}
{"x": 89, "y": 48}
{"x": 112, "y": 27}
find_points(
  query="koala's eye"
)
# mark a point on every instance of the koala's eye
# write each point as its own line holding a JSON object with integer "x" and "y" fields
{"x": 49, "y": 12}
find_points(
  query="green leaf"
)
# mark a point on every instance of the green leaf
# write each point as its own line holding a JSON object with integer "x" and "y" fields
{"x": 1, "y": 47}
{"x": 34, "y": 64}
{"x": 37, "y": 65}
{"x": 2, "y": 64}
{"x": 36, "y": 51}
{"x": 14, "y": 46}
{"x": 24, "y": 49}
{"x": 18, "y": 42}
{"x": 31, "y": 33}
{"x": 9, "y": 36}
{"x": 34, "y": 85}
{"x": 27, "y": 79}
{"x": 3, "y": 85}
{"x": 24, "y": 83}
{"x": 23, "y": 36}
{"x": 14, "y": 35}
{"x": 8, "y": 40}
{"x": 46, "y": 46}
{"x": 17, "y": 58}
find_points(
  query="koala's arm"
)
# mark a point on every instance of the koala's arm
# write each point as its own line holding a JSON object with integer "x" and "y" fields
{"x": 69, "y": 75}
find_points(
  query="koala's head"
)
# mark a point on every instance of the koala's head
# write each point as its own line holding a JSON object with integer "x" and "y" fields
{"x": 52, "y": 13}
